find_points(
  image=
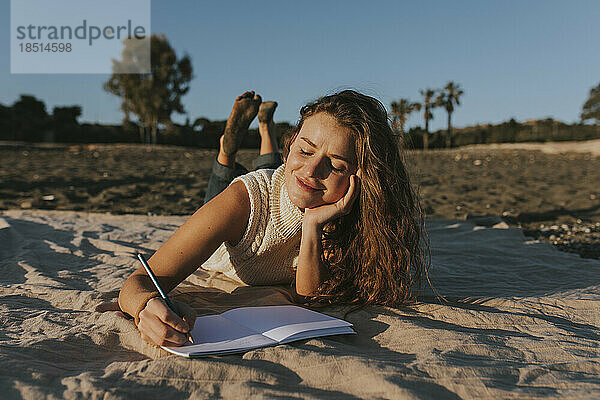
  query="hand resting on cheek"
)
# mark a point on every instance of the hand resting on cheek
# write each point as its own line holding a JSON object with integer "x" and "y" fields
{"x": 321, "y": 214}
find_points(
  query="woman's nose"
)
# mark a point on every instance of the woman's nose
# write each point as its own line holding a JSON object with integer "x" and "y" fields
{"x": 316, "y": 167}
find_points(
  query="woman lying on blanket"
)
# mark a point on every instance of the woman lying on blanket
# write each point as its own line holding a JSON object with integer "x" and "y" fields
{"x": 336, "y": 219}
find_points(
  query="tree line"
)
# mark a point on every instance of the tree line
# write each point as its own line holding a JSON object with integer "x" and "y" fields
{"x": 505, "y": 132}
{"x": 544, "y": 130}
{"x": 27, "y": 120}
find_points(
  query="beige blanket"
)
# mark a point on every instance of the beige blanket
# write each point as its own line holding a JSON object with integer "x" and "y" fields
{"x": 522, "y": 321}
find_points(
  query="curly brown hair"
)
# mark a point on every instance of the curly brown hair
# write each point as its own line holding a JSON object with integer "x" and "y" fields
{"x": 379, "y": 252}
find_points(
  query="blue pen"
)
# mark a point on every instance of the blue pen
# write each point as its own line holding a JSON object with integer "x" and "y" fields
{"x": 159, "y": 288}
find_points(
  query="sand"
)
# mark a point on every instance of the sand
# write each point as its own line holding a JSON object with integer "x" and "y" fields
{"x": 532, "y": 189}
{"x": 521, "y": 320}
{"x": 589, "y": 146}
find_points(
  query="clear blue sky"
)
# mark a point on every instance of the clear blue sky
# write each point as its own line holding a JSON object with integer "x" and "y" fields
{"x": 521, "y": 59}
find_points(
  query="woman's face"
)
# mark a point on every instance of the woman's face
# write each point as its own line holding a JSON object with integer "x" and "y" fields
{"x": 320, "y": 162}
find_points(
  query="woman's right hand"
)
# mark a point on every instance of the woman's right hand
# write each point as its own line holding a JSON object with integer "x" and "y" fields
{"x": 159, "y": 325}
{"x": 319, "y": 215}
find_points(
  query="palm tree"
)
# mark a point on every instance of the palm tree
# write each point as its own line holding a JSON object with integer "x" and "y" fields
{"x": 428, "y": 105}
{"x": 447, "y": 98}
{"x": 401, "y": 109}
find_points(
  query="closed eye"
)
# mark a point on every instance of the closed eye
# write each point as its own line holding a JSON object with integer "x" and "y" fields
{"x": 306, "y": 153}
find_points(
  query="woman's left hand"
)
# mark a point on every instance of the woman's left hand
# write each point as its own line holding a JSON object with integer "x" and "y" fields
{"x": 326, "y": 212}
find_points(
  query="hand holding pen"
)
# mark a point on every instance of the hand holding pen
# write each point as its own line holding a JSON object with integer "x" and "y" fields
{"x": 158, "y": 325}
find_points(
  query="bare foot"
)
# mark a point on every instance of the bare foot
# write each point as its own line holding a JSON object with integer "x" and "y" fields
{"x": 266, "y": 110}
{"x": 266, "y": 128}
{"x": 244, "y": 110}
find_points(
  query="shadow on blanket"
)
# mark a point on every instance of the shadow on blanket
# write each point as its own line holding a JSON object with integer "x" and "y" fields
{"x": 519, "y": 316}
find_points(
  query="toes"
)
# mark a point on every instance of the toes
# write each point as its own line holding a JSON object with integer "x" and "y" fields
{"x": 246, "y": 95}
{"x": 268, "y": 105}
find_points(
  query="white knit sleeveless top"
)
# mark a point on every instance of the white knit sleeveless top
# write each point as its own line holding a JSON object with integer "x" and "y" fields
{"x": 268, "y": 252}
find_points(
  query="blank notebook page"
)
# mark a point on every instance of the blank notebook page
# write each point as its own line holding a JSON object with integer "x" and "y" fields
{"x": 282, "y": 321}
{"x": 217, "y": 333}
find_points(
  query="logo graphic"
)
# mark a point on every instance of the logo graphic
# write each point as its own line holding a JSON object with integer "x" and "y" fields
{"x": 80, "y": 36}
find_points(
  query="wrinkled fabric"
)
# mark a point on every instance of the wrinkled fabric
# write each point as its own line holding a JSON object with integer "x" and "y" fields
{"x": 521, "y": 319}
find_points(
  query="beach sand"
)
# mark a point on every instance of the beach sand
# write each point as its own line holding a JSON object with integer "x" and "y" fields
{"x": 551, "y": 190}
{"x": 520, "y": 319}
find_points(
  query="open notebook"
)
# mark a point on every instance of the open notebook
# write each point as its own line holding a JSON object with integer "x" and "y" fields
{"x": 247, "y": 328}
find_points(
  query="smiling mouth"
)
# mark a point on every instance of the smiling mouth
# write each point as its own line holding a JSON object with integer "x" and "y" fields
{"x": 306, "y": 187}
